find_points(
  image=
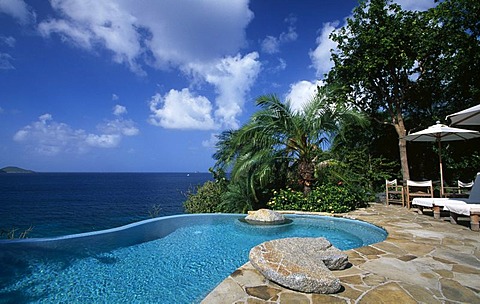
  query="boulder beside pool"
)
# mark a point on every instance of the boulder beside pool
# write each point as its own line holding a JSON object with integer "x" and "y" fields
{"x": 265, "y": 216}
{"x": 301, "y": 264}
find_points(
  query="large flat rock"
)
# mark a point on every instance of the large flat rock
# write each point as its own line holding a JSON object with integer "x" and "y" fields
{"x": 265, "y": 216}
{"x": 301, "y": 264}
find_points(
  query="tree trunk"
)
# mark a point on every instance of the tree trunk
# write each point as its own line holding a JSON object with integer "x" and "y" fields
{"x": 402, "y": 144}
{"x": 306, "y": 170}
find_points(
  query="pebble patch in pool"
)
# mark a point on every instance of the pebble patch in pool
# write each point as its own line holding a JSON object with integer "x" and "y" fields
{"x": 181, "y": 267}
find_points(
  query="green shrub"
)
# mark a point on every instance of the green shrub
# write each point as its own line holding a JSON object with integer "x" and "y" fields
{"x": 325, "y": 198}
{"x": 237, "y": 199}
{"x": 206, "y": 198}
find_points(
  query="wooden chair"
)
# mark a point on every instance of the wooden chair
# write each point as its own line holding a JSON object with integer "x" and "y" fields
{"x": 462, "y": 190}
{"x": 394, "y": 193}
{"x": 418, "y": 189}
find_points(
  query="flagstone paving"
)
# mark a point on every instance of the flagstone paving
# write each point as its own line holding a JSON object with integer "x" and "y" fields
{"x": 423, "y": 260}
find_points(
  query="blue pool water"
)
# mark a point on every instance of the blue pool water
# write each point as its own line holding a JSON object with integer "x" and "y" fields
{"x": 174, "y": 259}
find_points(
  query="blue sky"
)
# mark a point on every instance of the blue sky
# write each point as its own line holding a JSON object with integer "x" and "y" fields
{"x": 144, "y": 86}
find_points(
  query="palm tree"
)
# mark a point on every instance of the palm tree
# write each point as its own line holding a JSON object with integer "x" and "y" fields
{"x": 278, "y": 141}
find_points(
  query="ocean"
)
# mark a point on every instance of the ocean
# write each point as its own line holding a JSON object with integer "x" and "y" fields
{"x": 56, "y": 204}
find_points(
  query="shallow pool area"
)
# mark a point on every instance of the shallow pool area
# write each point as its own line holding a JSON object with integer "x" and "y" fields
{"x": 174, "y": 259}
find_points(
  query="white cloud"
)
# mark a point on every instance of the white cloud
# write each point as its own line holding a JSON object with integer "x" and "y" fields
{"x": 88, "y": 23}
{"x": 271, "y": 44}
{"x": 232, "y": 78}
{"x": 321, "y": 55}
{"x": 119, "y": 127}
{"x": 132, "y": 29}
{"x": 208, "y": 29}
{"x": 181, "y": 110}
{"x": 301, "y": 93}
{"x": 8, "y": 41}
{"x": 103, "y": 140}
{"x": 115, "y": 97}
{"x": 17, "y": 9}
{"x": 119, "y": 110}
{"x": 291, "y": 34}
{"x": 200, "y": 38}
{"x": 44, "y": 118}
{"x": 211, "y": 142}
{"x": 5, "y": 62}
{"x": 48, "y": 137}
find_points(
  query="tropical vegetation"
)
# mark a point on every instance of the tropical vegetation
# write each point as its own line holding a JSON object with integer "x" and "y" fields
{"x": 395, "y": 71}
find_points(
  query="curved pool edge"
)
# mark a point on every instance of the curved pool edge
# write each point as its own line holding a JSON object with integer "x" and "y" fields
{"x": 335, "y": 215}
{"x": 376, "y": 268}
{"x": 173, "y": 218}
{"x": 233, "y": 288}
{"x": 108, "y": 239}
{"x": 107, "y": 231}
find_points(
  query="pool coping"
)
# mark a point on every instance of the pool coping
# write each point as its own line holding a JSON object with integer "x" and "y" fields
{"x": 422, "y": 260}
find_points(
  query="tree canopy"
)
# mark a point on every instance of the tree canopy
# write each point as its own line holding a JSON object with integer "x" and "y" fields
{"x": 405, "y": 68}
{"x": 279, "y": 144}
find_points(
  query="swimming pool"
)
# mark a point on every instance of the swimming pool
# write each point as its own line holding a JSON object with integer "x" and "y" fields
{"x": 175, "y": 259}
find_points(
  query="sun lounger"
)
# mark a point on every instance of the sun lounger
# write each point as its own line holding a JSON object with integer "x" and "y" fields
{"x": 436, "y": 204}
{"x": 459, "y": 206}
{"x": 463, "y": 208}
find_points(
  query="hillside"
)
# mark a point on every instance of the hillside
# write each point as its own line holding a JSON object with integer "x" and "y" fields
{"x": 14, "y": 170}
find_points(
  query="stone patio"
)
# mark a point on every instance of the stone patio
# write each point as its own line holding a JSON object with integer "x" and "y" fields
{"x": 423, "y": 260}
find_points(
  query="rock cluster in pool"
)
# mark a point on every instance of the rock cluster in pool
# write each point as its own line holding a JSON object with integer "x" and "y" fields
{"x": 265, "y": 217}
{"x": 301, "y": 264}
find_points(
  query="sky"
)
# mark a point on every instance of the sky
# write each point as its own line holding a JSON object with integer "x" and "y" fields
{"x": 145, "y": 86}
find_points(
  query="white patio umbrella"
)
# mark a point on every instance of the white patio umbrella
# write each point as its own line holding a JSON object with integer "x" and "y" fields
{"x": 470, "y": 116}
{"x": 438, "y": 133}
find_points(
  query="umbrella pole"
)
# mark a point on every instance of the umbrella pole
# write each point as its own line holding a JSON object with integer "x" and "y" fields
{"x": 441, "y": 168}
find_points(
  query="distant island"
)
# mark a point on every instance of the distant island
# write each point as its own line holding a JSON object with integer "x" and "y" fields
{"x": 14, "y": 170}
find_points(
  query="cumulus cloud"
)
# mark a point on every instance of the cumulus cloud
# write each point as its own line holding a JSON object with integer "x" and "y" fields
{"x": 133, "y": 29}
{"x": 103, "y": 140}
{"x": 211, "y": 142}
{"x": 321, "y": 55}
{"x": 202, "y": 45}
{"x": 271, "y": 44}
{"x": 301, "y": 93}
{"x": 49, "y": 137}
{"x": 290, "y": 34}
{"x": 232, "y": 77}
{"x": 106, "y": 23}
{"x": 119, "y": 127}
{"x": 181, "y": 110}
{"x": 119, "y": 110}
{"x": 17, "y": 9}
